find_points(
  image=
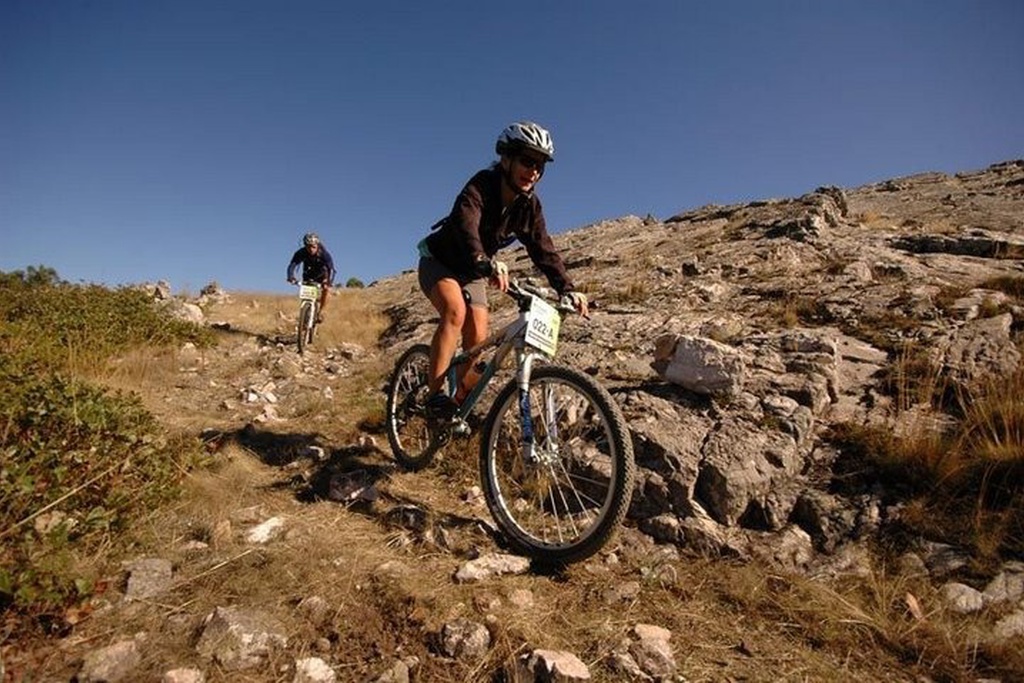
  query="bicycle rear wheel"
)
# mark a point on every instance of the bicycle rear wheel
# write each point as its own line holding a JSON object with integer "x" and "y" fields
{"x": 564, "y": 503}
{"x": 413, "y": 442}
{"x": 305, "y": 319}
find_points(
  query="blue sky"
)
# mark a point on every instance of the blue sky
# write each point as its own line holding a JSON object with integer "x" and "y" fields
{"x": 196, "y": 140}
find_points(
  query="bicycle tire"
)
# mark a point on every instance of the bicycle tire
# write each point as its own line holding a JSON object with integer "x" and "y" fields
{"x": 305, "y": 314}
{"x": 311, "y": 330}
{"x": 413, "y": 442}
{"x": 568, "y": 505}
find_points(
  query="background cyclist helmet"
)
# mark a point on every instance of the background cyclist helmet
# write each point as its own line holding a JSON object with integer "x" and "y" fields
{"x": 310, "y": 239}
{"x": 524, "y": 135}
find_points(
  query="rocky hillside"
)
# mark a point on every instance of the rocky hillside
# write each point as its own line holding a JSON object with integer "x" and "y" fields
{"x": 745, "y": 345}
{"x": 739, "y": 340}
{"x": 735, "y": 336}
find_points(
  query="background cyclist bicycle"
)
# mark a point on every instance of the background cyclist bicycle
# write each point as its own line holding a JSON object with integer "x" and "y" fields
{"x": 496, "y": 207}
{"x": 317, "y": 267}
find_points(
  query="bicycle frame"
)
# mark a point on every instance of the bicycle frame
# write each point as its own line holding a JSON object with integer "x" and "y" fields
{"x": 309, "y": 296}
{"x": 510, "y": 337}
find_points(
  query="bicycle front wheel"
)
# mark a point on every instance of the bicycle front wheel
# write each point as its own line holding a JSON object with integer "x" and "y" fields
{"x": 560, "y": 498}
{"x": 311, "y": 330}
{"x": 413, "y": 442}
{"x": 305, "y": 320}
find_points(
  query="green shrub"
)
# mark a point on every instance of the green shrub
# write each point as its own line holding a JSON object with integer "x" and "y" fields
{"x": 61, "y": 325}
{"x": 31, "y": 276}
{"x": 78, "y": 463}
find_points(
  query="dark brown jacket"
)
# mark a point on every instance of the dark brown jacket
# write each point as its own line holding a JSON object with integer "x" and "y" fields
{"x": 477, "y": 227}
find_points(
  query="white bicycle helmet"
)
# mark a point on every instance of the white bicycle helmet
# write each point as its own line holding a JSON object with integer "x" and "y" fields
{"x": 525, "y": 135}
{"x": 310, "y": 238}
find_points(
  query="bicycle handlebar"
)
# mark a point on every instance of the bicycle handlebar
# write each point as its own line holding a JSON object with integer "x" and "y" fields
{"x": 522, "y": 291}
{"x": 519, "y": 289}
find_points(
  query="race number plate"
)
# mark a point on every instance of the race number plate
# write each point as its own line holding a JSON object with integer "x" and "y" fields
{"x": 542, "y": 323}
{"x": 309, "y": 293}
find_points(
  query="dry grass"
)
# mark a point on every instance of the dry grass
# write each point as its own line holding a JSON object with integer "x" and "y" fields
{"x": 389, "y": 592}
{"x": 1008, "y": 284}
{"x": 632, "y": 292}
{"x": 873, "y": 219}
{"x": 792, "y": 310}
{"x": 138, "y": 368}
{"x": 887, "y": 330}
{"x": 347, "y": 317}
{"x": 958, "y": 454}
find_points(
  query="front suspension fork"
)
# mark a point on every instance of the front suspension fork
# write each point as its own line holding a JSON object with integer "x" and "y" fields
{"x": 528, "y": 445}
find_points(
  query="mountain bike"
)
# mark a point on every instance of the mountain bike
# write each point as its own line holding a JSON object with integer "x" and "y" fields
{"x": 556, "y": 458}
{"x": 309, "y": 309}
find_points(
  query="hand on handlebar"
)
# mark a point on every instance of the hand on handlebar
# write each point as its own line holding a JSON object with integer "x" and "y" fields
{"x": 499, "y": 275}
{"x": 292, "y": 281}
{"x": 578, "y": 301}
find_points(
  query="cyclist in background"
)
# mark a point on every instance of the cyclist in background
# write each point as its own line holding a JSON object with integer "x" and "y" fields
{"x": 317, "y": 268}
{"x": 496, "y": 207}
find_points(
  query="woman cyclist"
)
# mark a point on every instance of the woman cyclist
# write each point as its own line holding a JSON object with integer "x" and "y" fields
{"x": 496, "y": 207}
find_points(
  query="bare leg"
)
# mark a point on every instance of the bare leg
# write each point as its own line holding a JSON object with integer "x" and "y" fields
{"x": 474, "y": 331}
{"x": 447, "y": 299}
{"x": 324, "y": 291}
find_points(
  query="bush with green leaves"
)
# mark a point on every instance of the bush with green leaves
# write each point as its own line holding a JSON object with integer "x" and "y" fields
{"x": 60, "y": 324}
{"x": 79, "y": 462}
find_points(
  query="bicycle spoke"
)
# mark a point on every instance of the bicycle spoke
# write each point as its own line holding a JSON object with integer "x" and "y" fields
{"x": 561, "y": 499}
{"x": 412, "y": 441}
{"x": 574, "y": 529}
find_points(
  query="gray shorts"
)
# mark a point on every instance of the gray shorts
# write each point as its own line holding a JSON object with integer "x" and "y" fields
{"x": 431, "y": 271}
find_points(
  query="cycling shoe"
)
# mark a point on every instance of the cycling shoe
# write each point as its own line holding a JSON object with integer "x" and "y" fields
{"x": 440, "y": 407}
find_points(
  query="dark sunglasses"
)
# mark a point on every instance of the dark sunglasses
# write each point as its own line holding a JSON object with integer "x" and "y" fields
{"x": 532, "y": 163}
